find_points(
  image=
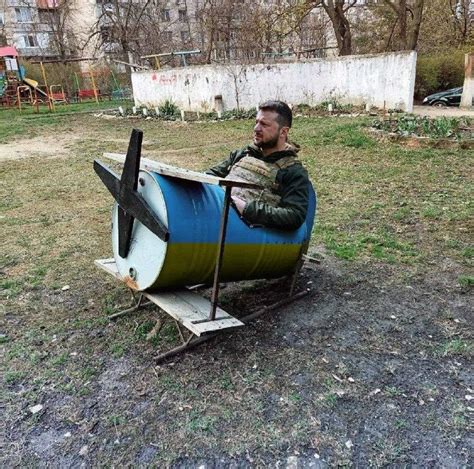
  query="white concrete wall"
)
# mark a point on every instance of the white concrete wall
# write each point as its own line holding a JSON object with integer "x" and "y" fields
{"x": 381, "y": 80}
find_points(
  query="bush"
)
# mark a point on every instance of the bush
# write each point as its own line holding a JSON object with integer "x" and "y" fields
{"x": 439, "y": 72}
{"x": 169, "y": 110}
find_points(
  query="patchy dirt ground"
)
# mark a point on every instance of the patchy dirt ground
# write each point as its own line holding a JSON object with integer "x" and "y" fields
{"x": 434, "y": 111}
{"x": 372, "y": 369}
{"x": 49, "y": 146}
{"x": 366, "y": 371}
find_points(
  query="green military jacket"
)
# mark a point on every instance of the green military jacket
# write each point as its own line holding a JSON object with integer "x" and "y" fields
{"x": 291, "y": 186}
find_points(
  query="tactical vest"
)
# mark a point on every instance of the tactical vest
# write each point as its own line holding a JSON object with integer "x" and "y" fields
{"x": 254, "y": 170}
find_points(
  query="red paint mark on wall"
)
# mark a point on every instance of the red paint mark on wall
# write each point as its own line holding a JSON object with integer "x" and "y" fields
{"x": 164, "y": 80}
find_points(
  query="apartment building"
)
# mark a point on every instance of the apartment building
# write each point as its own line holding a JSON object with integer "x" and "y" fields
{"x": 224, "y": 30}
{"x": 24, "y": 25}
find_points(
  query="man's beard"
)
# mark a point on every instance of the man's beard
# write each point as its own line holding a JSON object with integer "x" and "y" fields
{"x": 269, "y": 143}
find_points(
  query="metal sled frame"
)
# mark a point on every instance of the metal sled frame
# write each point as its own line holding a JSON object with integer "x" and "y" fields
{"x": 189, "y": 311}
{"x": 203, "y": 319}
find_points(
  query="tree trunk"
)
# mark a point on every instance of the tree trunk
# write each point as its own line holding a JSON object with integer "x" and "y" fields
{"x": 342, "y": 27}
{"x": 415, "y": 29}
{"x": 402, "y": 15}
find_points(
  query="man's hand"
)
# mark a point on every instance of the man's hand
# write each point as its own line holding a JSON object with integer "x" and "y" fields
{"x": 239, "y": 204}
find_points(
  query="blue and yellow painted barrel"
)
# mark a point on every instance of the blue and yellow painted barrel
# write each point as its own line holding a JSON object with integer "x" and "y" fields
{"x": 192, "y": 213}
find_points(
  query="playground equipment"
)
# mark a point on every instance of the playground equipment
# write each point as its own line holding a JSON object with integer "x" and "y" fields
{"x": 93, "y": 80}
{"x": 57, "y": 94}
{"x": 91, "y": 92}
{"x": 94, "y": 83}
{"x": 24, "y": 95}
{"x": 181, "y": 54}
{"x": 16, "y": 89}
{"x": 172, "y": 228}
{"x": 11, "y": 76}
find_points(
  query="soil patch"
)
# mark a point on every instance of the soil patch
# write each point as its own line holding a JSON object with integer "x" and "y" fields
{"x": 366, "y": 371}
{"x": 434, "y": 111}
{"x": 46, "y": 146}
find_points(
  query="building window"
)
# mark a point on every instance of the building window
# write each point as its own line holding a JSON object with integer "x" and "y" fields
{"x": 165, "y": 15}
{"x": 182, "y": 15}
{"x": 106, "y": 33}
{"x": 48, "y": 16}
{"x": 23, "y": 15}
{"x": 28, "y": 40}
{"x": 185, "y": 36}
{"x": 31, "y": 41}
{"x": 2, "y": 18}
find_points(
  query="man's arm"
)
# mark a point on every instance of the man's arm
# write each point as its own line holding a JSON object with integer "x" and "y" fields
{"x": 291, "y": 212}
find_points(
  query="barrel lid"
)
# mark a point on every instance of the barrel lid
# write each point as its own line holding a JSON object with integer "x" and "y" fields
{"x": 147, "y": 253}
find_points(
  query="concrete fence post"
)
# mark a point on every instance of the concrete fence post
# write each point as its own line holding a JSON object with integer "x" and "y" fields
{"x": 468, "y": 88}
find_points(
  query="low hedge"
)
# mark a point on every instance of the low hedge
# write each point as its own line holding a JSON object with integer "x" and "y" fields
{"x": 439, "y": 72}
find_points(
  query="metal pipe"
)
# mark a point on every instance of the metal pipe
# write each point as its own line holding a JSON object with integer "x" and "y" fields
{"x": 204, "y": 338}
{"x": 220, "y": 252}
{"x": 129, "y": 310}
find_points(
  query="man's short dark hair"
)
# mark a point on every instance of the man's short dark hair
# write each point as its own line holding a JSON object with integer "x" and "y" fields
{"x": 285, "y": 116}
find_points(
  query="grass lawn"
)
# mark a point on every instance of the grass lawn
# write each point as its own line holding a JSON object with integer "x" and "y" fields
{"x": 389, "y": 216}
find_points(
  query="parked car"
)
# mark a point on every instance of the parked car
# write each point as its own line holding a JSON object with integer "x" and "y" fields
{"x": 450, "y": 97}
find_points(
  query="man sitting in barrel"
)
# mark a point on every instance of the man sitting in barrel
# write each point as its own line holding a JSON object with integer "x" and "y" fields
{"x": 271, "y": 161}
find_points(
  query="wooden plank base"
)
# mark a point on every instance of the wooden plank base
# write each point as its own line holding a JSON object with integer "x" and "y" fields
{"x": 187, "y": 307}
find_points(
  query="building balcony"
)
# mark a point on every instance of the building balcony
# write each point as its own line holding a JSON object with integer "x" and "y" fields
{"x": 47, "y": 4}
{"x": 38, "y": 52}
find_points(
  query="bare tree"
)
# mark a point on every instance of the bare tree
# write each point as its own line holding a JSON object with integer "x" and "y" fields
{"x": 119, "y": 27}
{"x": 446, "y": 24}
{"x": 337, "y": 11}
{"x": 462, "y": 22}
{"x": 55, "y": 22}
{"x": 217, "y": 21}
{"x": 3, "y": 35}
{"x": 408, "y": 20}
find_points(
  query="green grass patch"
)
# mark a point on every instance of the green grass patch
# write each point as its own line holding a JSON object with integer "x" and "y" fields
{"x": 382, "y": 246}
{"x": 349, "y": 135}
{"x": 466, "y": 280}
{"x": 14, "y": 377}
{"x": 10, "y": 288}
{"x": 200, "y": 423}
{"x": 60, "y": 360}
{"x": 460, "y": 347}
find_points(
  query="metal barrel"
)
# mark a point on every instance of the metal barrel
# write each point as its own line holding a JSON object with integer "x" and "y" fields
{"x": 192, "y": 213}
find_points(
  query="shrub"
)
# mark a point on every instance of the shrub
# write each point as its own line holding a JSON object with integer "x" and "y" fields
{"x": 169, "y": 110}
{"x": 439, "y": 72}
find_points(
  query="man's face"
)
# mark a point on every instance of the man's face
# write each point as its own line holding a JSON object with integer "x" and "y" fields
{"x": 267, "y": 130}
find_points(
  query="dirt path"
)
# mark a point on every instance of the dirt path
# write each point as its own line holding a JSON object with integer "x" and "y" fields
{"x": 60, "y": 145}
{"x": 433, "y": 111}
